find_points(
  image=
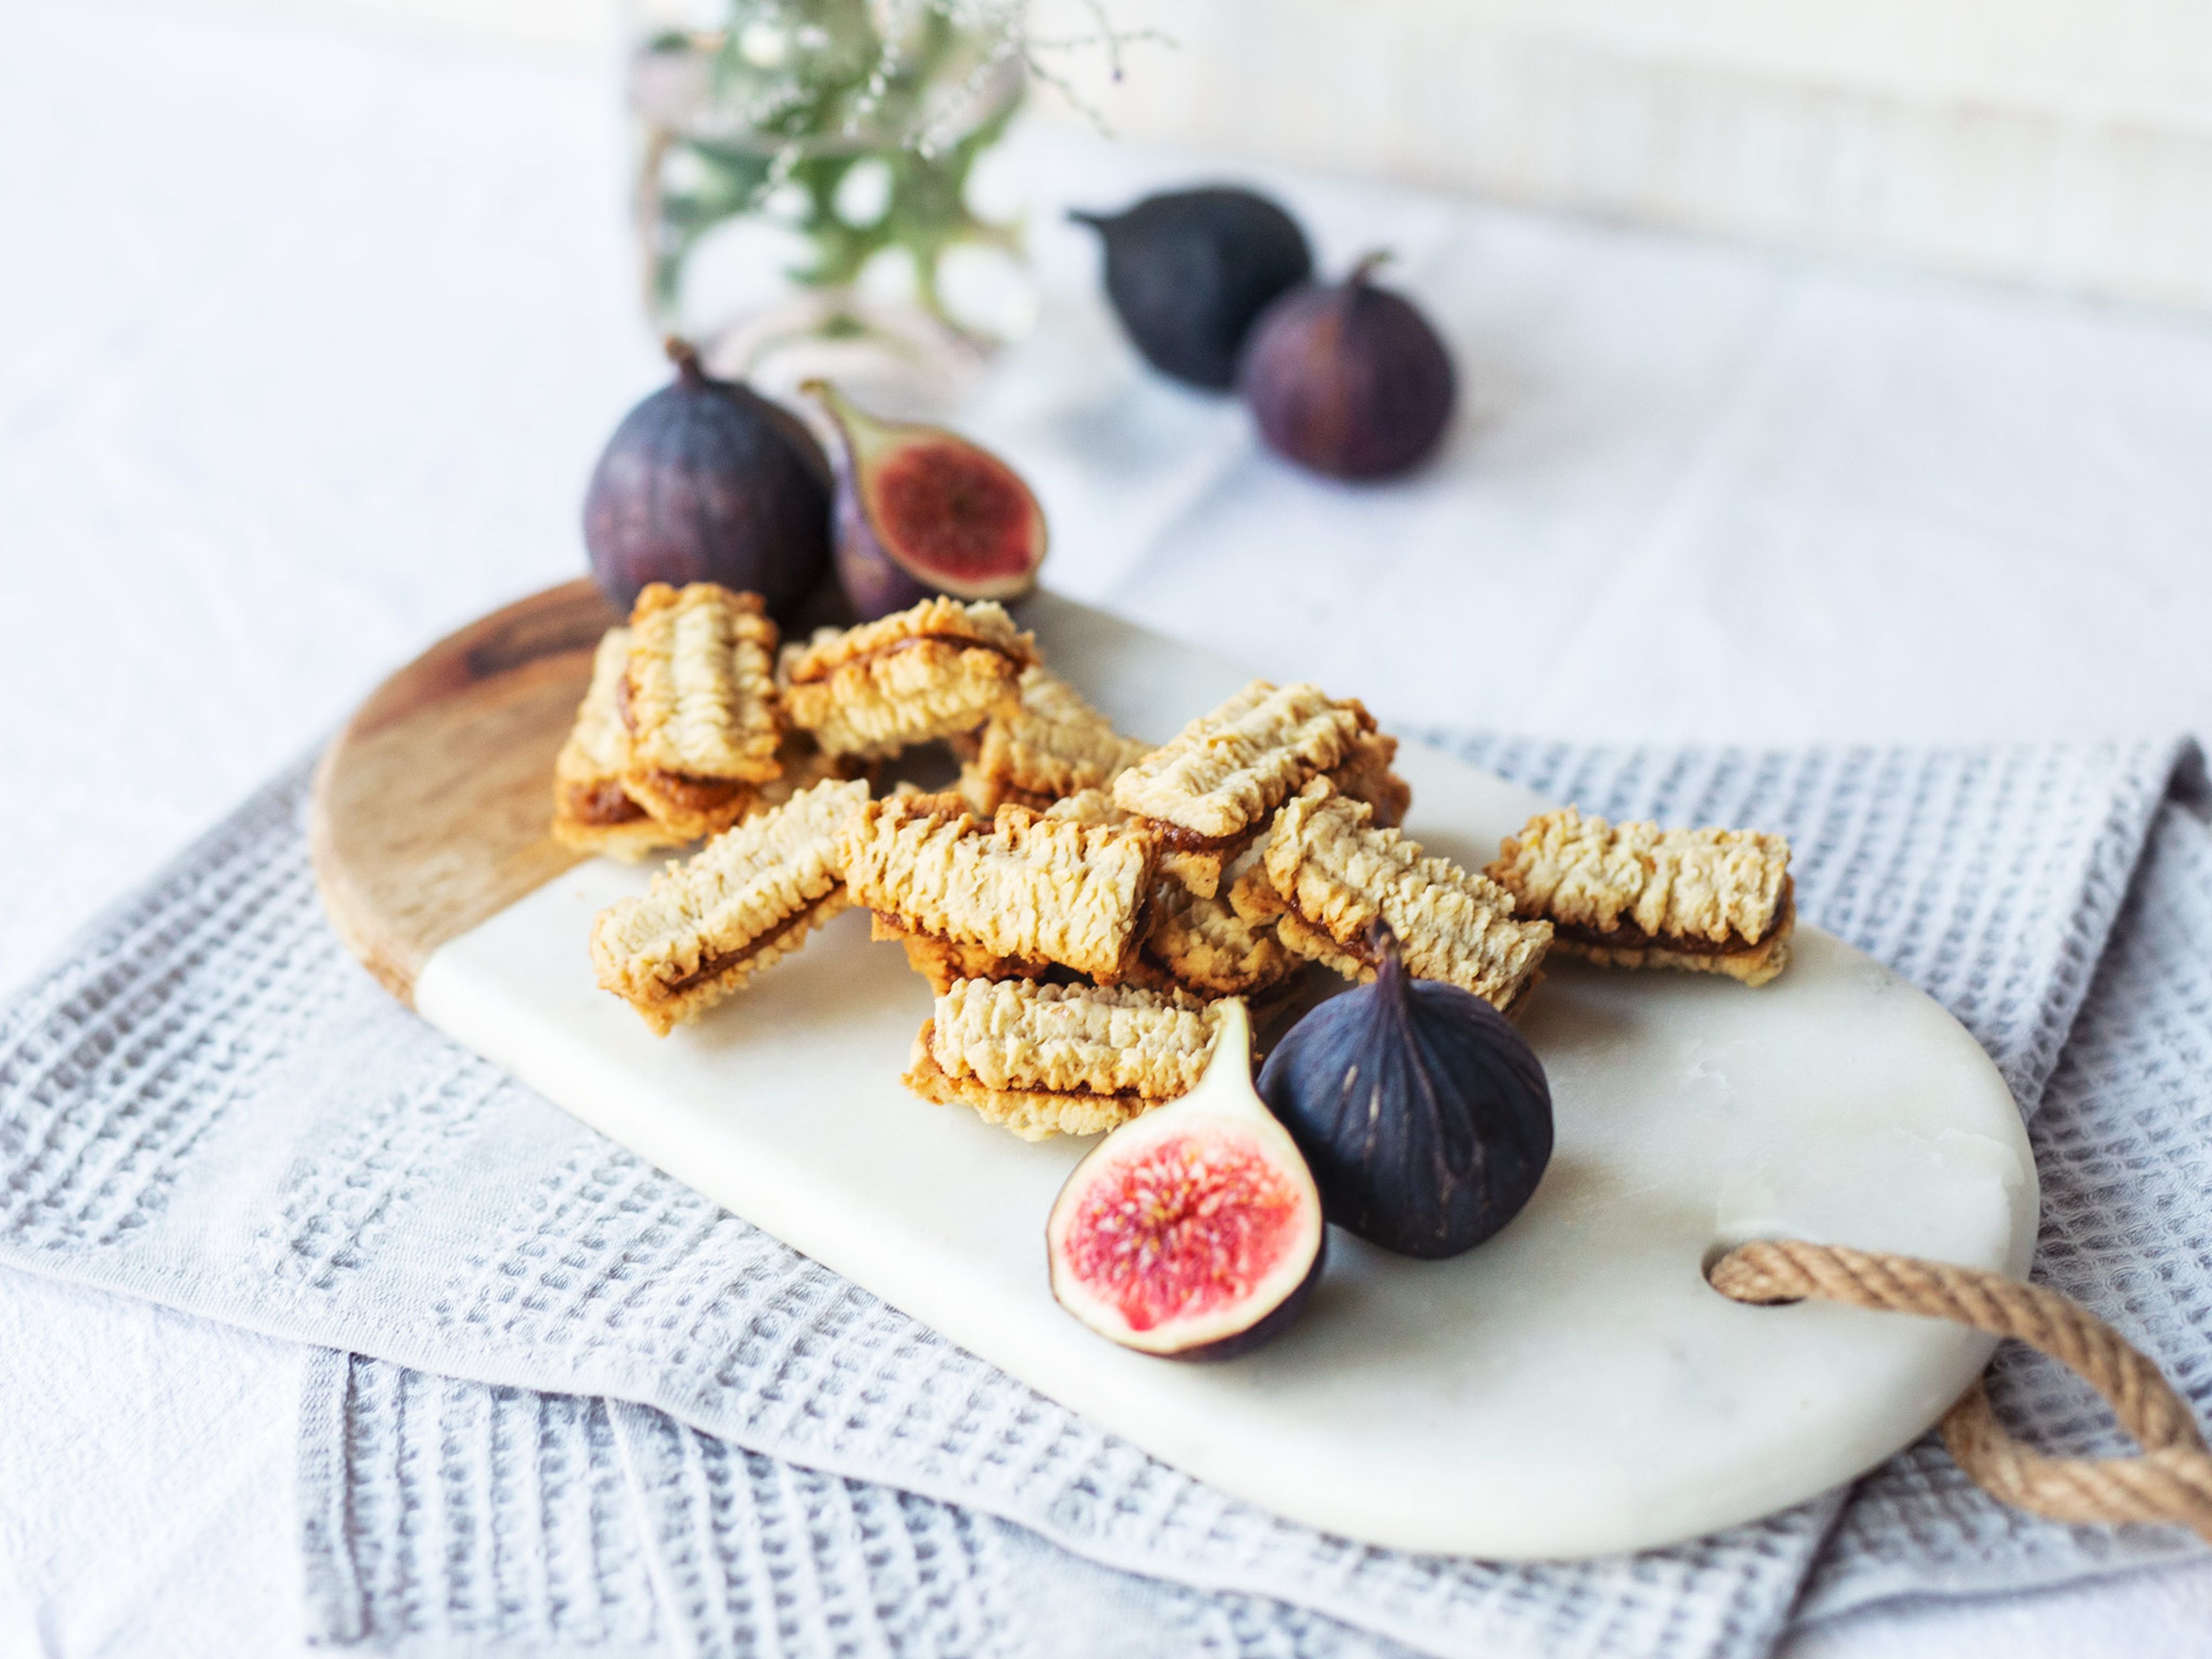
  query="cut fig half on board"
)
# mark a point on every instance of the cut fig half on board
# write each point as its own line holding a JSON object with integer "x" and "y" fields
{"x": 920, "y": 510}
{"x": 1194, "y": 1232}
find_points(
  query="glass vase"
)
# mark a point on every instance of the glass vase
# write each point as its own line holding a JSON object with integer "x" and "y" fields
{"x": 802, "y": 183}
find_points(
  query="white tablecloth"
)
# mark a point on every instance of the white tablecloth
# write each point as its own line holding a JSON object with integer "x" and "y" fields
{"x": 312, "y": 333}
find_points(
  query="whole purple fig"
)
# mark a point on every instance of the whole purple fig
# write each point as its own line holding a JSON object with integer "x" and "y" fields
{"x": 1423, "y": 1113}
{"x": 1349, "y": 380}
{"x": 708, "y": 481}
{"x": 1190, "y": 272}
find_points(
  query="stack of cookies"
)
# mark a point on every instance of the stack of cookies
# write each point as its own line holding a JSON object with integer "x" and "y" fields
{"x": 1080, "y": 899}
{"x": 677, "y": 731}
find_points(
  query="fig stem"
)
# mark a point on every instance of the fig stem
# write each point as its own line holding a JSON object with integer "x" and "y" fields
{"x": 685, "y": 355}
{"x": 831, "y": 402}
{"x": 1389, "y": 966}
{"x": 1368, "y": 264}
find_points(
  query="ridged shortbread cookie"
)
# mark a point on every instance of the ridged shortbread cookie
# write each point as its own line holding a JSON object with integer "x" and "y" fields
{"x": 1022, "y": 887}
{"x": 1209, "y": 790}
{"x": 748, "y": 897}
{"x": 1330, "y": 874}
{"x": 1047, "y": 1060}
{"x": 1203, "y": 946}
{"x": 1091, "y": 807}
{"x": 1365, "y": 775}
{"x": 1636, "y": 895}
{"x": 1051, "y": 743}
{"x": 935, "y": 671}
{"x": 592, "y": 810}
{"x": 941, "y": 961}
{"x": 698, "y": 698}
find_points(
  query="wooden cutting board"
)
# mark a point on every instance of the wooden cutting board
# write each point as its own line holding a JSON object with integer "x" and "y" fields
{"x": 432, "y": 809}
{"x": 1573, "y": 1387}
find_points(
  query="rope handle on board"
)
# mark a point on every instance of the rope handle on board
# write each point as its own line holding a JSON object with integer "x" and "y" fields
{"x": 2170, "y": 1482}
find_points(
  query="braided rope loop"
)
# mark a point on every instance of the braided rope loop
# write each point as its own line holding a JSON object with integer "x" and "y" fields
{"x": 2171, "y": 1482}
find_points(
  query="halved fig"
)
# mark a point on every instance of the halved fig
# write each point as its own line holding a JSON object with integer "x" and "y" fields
{"x": 1195, "y": 1231}
{"x": 920, "y": 510}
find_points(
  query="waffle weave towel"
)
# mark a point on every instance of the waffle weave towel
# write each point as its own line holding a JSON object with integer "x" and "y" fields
{"x": 675, "y": 1435}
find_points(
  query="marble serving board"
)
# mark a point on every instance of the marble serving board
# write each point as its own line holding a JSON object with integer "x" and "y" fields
{"x": 1571, "y": 1387}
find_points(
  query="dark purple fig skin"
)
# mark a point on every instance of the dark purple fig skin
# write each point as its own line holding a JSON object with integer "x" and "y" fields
{"x": 1464, "y": 1129}
{"x": 1349, "y": 380}
{"x": 876, "y": 584}
{"x": 708, "y": 481}
{"x": 1189, "y": 272}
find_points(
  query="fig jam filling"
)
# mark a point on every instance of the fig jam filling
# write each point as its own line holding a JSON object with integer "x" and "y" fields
{"x": 719, "y": 962}
{"x": 911, "y": 643}
{"x": 1175, "y": 838}
{"x": 1128, "y": 1101}
{"x": 1357, "y": 949}
{"x": 709, "y": 967}
{"x": 695, "y": 794}
{"x": 1627, "y": 936}
{"x": 1185, "y": 1228}
{"x": 604, "y": 803}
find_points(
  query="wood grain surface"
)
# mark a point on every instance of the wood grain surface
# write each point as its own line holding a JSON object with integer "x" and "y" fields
{"x": 432, "y": 809}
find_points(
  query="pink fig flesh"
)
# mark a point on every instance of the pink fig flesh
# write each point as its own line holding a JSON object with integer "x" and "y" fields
{"x": 949, "y": 507}
{"x": 1193, "y": 1232}
{"x": 1179, "y": 1229}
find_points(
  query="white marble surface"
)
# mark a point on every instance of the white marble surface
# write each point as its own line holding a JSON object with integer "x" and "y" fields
{"x": 1571, "y": 1387}
{"x": 313, "y": 331}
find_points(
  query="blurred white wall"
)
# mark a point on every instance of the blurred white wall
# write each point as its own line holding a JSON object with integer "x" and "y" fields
{"x": 2066, "y": 144}
{"x": 2062, "y": 143}
{"x": 565, "y": 27}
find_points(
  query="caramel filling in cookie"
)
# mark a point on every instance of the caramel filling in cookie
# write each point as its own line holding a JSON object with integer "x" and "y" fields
{"x": 1175, "y": 838}
{"x": 1627, "y": 936}
{"x": 604, "y": 803}
{"x": 692, "y": 795}
{"x": 718, "y": 963}
{"x": 912, "y": 642}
